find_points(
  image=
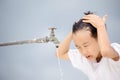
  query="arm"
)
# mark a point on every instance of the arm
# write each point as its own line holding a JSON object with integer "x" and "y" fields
{"x": 102, "y": 36}
{"x": 104, "y": 43}
{"x": 64, "y": 47}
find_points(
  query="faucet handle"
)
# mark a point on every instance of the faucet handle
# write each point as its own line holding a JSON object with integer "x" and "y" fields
{"x": 52, "y": 31}
{"x": 52, "y": 28}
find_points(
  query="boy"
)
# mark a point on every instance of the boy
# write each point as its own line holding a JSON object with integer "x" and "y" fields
{"x": 95, "y": 55}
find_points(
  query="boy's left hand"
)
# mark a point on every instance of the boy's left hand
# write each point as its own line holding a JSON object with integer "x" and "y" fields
{"x": 95, "y": 20}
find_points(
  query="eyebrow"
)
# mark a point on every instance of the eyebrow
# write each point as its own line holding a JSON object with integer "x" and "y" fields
{"x": 85, "y": 43}
{"x": 82, "y": 44}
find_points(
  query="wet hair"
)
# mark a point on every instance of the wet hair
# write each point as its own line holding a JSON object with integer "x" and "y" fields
{"x": 80, "y": 25}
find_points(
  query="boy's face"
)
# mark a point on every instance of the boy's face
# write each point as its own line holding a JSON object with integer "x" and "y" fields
{"x": 86, "y": 44}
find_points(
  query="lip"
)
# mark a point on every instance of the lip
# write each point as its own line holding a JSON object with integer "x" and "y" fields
{"x": 89, "y": 57}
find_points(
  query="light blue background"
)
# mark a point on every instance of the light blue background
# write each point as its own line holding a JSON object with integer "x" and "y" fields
{"x": 28, "y": 19}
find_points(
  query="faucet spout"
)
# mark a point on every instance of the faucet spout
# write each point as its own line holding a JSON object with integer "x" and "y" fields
{"x": 52, "y": 37}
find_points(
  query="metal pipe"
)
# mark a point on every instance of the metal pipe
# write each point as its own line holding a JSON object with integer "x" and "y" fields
{"x": 37, "y": 40}
{"x": 46, "y": 39}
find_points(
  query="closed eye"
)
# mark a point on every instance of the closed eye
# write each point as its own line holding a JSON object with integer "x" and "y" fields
{"x": 77, "y": 47}
{"x": 85, "y": 45}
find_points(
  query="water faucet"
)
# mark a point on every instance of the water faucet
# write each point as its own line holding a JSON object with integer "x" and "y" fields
{"x": 52, "y": 37}
{"x": 46, "y": 39}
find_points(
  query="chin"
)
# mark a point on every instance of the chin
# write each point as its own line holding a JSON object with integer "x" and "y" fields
{"x": 92, "y": 60}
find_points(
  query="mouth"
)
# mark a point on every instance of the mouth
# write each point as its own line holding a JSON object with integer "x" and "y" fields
{"x": 89, "y": 57}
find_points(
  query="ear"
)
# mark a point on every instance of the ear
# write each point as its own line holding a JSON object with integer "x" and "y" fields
{"x": 104, "y": 18}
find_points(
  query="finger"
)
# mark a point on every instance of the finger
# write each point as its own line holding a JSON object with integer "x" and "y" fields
{"x": 93, "y": 17}
{"x": 90, "y": 21}
{"x": 87, "y": 16}
{"x": 87, "y": 21}
{"x": 104, "y": 18}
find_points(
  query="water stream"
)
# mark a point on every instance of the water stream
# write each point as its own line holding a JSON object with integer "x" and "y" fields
{"x": 59, "y": 66}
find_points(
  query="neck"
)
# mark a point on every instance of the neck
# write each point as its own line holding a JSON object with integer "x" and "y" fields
{"x": 99, "y": 57}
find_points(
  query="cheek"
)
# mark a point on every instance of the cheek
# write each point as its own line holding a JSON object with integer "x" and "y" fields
{"x": 93, "y": 49}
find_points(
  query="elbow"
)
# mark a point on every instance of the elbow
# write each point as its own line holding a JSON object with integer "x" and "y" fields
{"x": 58, "y": 54}
{"x": 61, "y": 55}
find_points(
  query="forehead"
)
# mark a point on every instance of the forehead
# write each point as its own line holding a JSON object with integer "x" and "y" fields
{"x": 82, "y": 36}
